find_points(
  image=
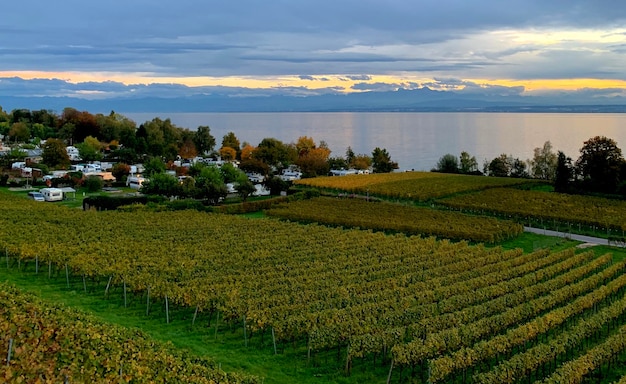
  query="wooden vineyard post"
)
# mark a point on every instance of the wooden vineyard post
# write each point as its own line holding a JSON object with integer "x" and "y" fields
{"x": 274, "y": 340}
{"x": 390, "y": 370}
{"x": 245, "y": 334}
{"x": 106, "y": 290}
{"x": 195, "y": 314}
{"x": 167, "y": 310}
{"x": 124, "y": 281}
{"x": 217, "y": 320}
{"x": 148, "y": 302}
{"x": 308, "y": 344}
{"x": 67, "y": 275}
{"x": 9, "y": 352}
{"x": 347, "y": 369}
{"x": 49, "y": 269}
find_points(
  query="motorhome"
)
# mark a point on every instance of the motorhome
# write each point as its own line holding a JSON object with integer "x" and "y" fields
{"x": 52, "y": 194}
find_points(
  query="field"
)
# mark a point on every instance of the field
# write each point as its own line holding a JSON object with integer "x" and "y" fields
{"x": 419, "y": 186}
{"x": 339, "y": 305}
{"x": 541, "y": 206}
{"x": 381, "y": 216}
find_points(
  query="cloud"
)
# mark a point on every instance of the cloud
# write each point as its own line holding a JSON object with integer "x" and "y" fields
{"x": 384, "y": 87}
{"x": 444, "y": 38}
{"x": 358, "y": 77}
{"x": 306, "y": 77}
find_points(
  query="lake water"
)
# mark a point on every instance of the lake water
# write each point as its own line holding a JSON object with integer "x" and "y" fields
{"x": 414, "y": 140}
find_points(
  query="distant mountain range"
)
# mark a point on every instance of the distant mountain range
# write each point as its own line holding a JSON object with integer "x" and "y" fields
{"x": 418, "y": 100}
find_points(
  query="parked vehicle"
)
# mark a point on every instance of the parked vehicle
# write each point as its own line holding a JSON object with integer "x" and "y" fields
{"x": 135, "y": 182}
{"x": 52, "y": 194}
{"x": 37, "y": 196}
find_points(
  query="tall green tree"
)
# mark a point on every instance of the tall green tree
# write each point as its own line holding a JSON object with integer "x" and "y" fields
{"x": 543, "y": 164}
{"x": 162, "y": 184}
{"x": 448, "y": 163}
{"x": 500, "y": 166}
{"x": 468, "y": 164}
{"x": 563, "y": 173}
{"x": 381, "y": 161}
{"x": 599, "y": 164}
{"x": 210, "y": 185}
{"x": 231, "y": 141}
{"x": 90, "y": 149}
{"x": 204, "y": 141}
{"x": 19, "y": 132}
{"x": 54, "y": 154}
{"x": 275, "y": 153}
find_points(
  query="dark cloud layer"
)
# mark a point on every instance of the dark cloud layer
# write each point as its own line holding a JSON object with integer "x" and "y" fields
{"x": 212, "y": 38}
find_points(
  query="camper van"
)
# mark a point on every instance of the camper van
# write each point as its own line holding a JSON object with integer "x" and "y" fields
{"x": 135, "y": 182}
{"x": 52, "y": 194}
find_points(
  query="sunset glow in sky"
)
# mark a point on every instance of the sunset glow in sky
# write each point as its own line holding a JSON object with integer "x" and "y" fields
{"x": 314, "y": 47}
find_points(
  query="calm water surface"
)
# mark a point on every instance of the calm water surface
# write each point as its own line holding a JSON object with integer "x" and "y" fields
{"x": 414, "y": 140}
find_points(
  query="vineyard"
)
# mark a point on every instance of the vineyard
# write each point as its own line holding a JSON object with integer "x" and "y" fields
{"x": 420, "y": 186}
{"x": 50, "y": 344}
{"x": 430, "y": 311}
{"x": 397, "y": 218}
{"x": 539, "y": 206}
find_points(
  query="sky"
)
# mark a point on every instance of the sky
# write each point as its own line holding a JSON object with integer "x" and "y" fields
{"x": 100, "y": 49}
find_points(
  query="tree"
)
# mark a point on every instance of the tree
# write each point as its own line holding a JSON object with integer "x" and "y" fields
{"x": 188, "y": 150}
{"x": 19, "y": 132}
{"x": 448, "y": 163}
{"x": 276, "y": 185}
{"x": 381, "y": 161}
{"x": 247, "y": 151}
{"x": 518, "y": 169}
{"x": 349, "y": 155}
{"x": 500, "y": 166}
{"x": 93, "y": 183}
{"x": 337, "y": 163}
{"x": 304, "y": 145}
{"x": 54, "y": 154}
{"x": 210, "y": 185}
{"x": 120, "y": 171}
{"x": 228, "y": 153}
{"x": 79, "y": 125}
{"x": 274, "y": 153}
{"x": 361, "y": 162}
{"x": 90, "y": 149}
{"x": 244, "y": 186}
{"x": 563, "y": 173}
{"x": 599, "y": 164}
{"x": 15, "y": 154}
{"x": 468, "y": 164}
{"x": 254, "y": 166}
{"x": 154, "y": 166}
{"x": 543, "y": 164}
{"x": 231, "y": 141}
{"x": 203, "y": 140}
{"x": 162, "y": 184}
{"x": 230, "y": 173}
{"x": 314, "y": 162}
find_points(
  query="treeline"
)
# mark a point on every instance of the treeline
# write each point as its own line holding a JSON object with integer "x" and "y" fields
{"x": 600, "y": 168}
{"x": 117, "y": 138}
